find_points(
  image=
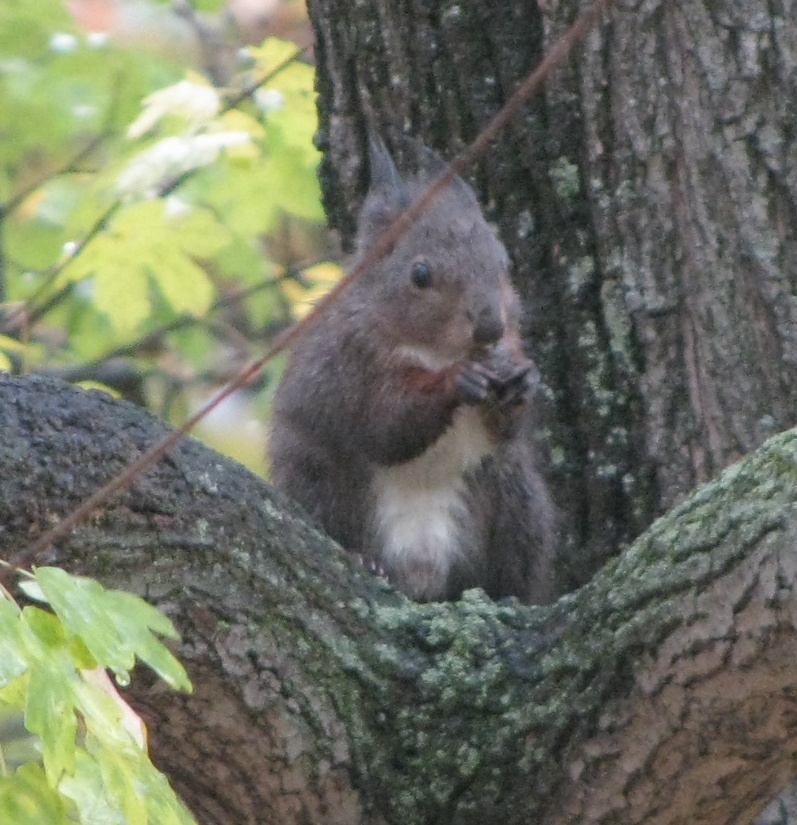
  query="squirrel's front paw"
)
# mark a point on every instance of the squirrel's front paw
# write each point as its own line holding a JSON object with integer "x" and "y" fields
{"x": 474, "y": 382}
{"x": 497, "y": 379}
{"x": 514, "y": 387}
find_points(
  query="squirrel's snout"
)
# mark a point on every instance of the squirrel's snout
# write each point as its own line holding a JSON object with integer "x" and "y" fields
{"x": 488, "y": 326}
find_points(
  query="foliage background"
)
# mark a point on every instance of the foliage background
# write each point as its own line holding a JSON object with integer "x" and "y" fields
{"x": 160, "y": 219}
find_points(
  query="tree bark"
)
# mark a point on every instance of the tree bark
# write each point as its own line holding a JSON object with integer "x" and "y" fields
{"x": 647, "y": 200}
{"x": 661, "y": 692}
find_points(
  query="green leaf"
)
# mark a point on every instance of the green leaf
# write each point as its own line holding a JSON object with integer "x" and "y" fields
{"x": 121, "y": 290}
{"x": 115, "y": 626}
{"x": 11, "y": 345}
{"x": 78, "y": 603}
{"x": 87, "y": 790}
{"x": 182, "y": 283}
{"x": 33, "y": 246}
{"x": 114, "y": 780}
{"x": 252, "y": 194}
{"x": 26, "y": 28}
{"x": 198, "y": 232}
{"x": 271, "y": 53}
{"x": 137, "y": 622}
{"x": 50, "y": 713}
{"x": 143, "y": 792}
{"x": 148, "y": 241}
{"x": 102, "y": 714}
{"x": 297, "y": 119}
{"x": 121, "y": 775}
{"x": 105, "y": 774}
{"x": 13, "y": 660}
{"x": 286, "y": 174}
{"x": 208, "y": 6}
{"x": 50, "y": 699}
{"x": 246, "y": 198}
{"x": 13, "y": 695}
{"x": 42, "y": 632}
{"x": 26, "y": 798}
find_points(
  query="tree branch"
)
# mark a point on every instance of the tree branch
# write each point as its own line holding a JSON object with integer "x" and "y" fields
{"x": 661, "y": 692}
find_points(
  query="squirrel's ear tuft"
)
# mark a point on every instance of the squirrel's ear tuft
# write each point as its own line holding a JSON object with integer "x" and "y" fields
{"x": 384, "y": 175}
{"x": 387, "y": 195}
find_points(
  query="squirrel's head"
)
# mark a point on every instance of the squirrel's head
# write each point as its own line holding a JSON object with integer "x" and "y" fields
{"x": 443, "y": 290}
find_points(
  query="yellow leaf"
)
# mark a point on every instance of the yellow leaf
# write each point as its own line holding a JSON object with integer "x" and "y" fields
{"x": 97, "y": 385}
{"x": 326, "y": 272}
{"x": 315, "y": 282}
{"x": 237, "y": 121}
{"x": 11, "y": 344}
{"x": 122, "y": 293}
{"x": 271, "y": 53}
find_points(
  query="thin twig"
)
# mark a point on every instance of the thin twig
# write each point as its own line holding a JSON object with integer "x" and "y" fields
{"x": 26, "y": 314}
{"x": 24, "y": 317}
{"x": 71, "y": 165}
{"x": 186, "y": 320}
{"x": 65, "y": 169}
{"x": 251, "y": 88}
{"x": 559, "y": 51}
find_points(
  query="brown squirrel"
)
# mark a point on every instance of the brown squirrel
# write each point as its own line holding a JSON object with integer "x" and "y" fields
{"x": 397, "y": 423}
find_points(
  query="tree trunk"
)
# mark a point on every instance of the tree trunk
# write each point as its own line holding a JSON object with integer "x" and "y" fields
{"x": 647, "y": 200}
{"x": 661, "y": 692}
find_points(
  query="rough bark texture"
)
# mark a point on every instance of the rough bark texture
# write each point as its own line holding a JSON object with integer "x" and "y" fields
{"x": 695, "y": 106}
{"x": 661, "y": 692}
{"x": 647, "y": 200}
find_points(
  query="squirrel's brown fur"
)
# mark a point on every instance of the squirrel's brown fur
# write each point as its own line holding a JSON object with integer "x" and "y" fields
{"x": 398, "y": 421}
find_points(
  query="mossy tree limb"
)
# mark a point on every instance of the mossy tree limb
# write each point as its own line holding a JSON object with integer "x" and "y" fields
{"x": 662, "y": 691}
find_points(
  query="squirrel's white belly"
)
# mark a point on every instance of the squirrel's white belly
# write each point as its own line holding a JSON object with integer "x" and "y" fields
{"x": 420, "y": 507}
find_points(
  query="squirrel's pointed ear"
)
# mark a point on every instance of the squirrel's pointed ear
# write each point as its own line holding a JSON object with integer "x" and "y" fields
{"x": 430, "y": 165}
{"x": 384, "y": 175}
{"x": 387, "y": 195}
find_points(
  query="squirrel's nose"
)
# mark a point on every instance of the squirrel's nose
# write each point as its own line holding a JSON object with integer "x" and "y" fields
{"x": 488, "y": 326}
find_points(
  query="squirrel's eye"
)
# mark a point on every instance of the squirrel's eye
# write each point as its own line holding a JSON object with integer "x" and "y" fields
{"x": 421, "y": 274}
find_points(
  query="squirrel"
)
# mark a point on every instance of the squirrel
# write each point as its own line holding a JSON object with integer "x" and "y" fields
{"x": 398, "y": 423}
